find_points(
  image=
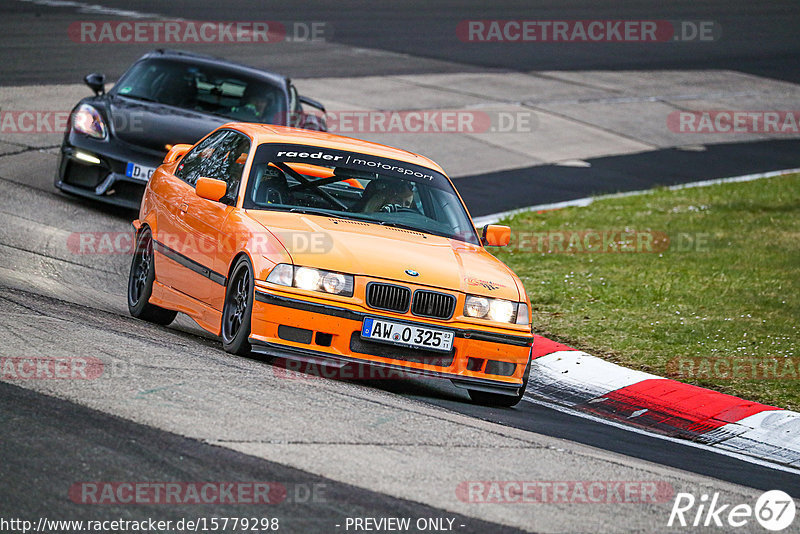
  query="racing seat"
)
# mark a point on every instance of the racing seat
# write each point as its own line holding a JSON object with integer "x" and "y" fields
{"x": 271, "y": 187}
{"x": 380, "y": 193}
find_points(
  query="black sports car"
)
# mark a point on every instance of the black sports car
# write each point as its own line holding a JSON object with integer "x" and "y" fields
{"x": 114, "y": 141}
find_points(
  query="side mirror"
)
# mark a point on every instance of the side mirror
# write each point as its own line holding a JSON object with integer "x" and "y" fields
{"x": 495, "y": 235}
{"x": 96, "y": 82}
{"x": 176, "y": 152}
{"x": 211, "y": 188}
{"x": 311, "y": 102}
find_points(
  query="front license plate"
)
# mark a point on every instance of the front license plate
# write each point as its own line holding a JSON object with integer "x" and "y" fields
{"x": 406, "y": 335}
{"x": 139, "y": 172}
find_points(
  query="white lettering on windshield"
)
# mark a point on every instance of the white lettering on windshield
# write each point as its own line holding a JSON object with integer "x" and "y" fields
{"x": 394, "y": 168}
{"x": 309, "y": 155}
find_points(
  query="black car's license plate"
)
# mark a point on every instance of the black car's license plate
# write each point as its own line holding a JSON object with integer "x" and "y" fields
{"x": 140, "y": 172}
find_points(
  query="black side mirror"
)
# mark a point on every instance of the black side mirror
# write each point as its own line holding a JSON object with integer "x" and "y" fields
{"x": 311, "y": 102}
{"x": 96, "y": 82}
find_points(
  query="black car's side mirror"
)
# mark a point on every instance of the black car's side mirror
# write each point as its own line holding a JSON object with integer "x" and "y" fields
{"x": 96, "y": 82}
{"x": 311, "y": 102}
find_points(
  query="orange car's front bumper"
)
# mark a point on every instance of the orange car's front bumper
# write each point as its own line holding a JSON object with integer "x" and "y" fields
{"x": 295, "y": 328}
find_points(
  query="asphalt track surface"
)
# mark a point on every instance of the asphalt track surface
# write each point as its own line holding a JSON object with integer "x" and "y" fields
{"x": 497, "y": 192}
{"x": 97, "y": 446}
{"x": 48, "y": 443}
{"x": 757, "y": 37}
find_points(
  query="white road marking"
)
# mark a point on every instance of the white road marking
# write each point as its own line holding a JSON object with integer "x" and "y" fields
{"x": 95, "y": 9}
{"x": 582, "y": 202}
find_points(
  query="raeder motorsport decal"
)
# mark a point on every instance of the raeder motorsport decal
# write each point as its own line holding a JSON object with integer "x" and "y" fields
{"x": 330, "y": 157}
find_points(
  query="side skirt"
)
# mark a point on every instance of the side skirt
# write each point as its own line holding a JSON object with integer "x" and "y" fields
{"x": 207, "y": 317}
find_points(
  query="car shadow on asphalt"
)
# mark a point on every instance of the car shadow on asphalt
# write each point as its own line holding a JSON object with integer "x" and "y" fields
{"x": 390, "y": 381}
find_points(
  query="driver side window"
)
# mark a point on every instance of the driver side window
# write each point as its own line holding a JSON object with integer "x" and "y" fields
{"x": 221, "y": 156}
{"x": 199, "y": 162}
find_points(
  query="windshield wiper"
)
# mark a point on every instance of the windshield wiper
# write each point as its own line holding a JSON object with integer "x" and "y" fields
{"x": 312, "y": 211}
{"x": 403, "y": 226}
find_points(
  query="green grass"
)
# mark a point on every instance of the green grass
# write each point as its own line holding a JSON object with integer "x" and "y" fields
{"x": 727, "y": 286}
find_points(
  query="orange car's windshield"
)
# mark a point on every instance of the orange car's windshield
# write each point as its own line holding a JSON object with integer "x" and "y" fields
{"x": 356, "y": 186}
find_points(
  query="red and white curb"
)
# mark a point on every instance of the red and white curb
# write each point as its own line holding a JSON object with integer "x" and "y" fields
{"x": 574, "y": 379}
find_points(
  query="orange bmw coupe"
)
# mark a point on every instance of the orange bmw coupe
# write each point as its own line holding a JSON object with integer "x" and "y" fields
{"x": 315, "y": 247}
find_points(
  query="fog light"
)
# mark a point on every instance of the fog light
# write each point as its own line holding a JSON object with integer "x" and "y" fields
{"x": 88, "y": 158}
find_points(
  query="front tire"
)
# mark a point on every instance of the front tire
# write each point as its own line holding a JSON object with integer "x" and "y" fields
{"x": 140, "y": 283}
{"x": 238, "y": 309}
{"x": 496, "y": 399}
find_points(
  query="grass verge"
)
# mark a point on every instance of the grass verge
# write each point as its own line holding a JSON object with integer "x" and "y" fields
{"x": 701, "y": 285}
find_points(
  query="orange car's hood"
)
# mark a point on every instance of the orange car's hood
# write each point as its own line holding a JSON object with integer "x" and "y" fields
{"x": 384, "y": 252}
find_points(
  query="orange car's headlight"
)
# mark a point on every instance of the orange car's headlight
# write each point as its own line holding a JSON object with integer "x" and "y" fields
{"x": 312, "y": 279}
{"x": 498, "y": 310}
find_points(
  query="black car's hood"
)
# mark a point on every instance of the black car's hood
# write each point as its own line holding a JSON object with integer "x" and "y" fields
{"x": 151, "y": 125}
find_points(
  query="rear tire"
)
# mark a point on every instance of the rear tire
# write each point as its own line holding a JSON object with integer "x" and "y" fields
{"x": 497, "y": 399}
{"x": 238, "y": 309}
{"x": 140, "y": 283}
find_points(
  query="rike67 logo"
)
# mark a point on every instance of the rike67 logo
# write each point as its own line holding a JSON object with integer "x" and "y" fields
{"x": 774, "y": 510}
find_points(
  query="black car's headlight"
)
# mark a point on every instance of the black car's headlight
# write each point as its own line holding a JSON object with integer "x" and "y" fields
{"x": 312, "y": 279}
{"x": 498, "y": 310}
{"x": 87, "y": 120}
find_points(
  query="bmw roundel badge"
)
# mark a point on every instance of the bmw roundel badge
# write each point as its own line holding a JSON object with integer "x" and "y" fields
{"x": 411, "y": 272}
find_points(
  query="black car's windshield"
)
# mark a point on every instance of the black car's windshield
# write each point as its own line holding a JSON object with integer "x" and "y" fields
{"x": 322, "y": 181}
{"x": 208, "y": 89}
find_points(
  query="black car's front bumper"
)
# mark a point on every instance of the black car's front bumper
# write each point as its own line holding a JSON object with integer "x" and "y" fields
{"x": 97, "y": 169}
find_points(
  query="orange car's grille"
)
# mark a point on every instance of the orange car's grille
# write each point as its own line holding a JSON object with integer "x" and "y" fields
{"x": 388, "y": 297}
{"x": 433, "y": 304}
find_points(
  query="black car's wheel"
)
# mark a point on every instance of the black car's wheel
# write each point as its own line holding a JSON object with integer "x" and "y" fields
{"x": 496, "y": 399}
{"x": 238, "y": 309}
{"x": 140, "y": 283}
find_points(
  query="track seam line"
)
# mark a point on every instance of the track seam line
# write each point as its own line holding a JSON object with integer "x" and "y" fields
{"x": 42, "y": 255}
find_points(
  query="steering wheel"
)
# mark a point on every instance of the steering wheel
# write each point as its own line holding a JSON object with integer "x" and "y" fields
{"x": 397, "y": 208}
